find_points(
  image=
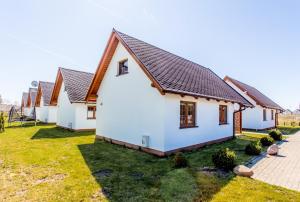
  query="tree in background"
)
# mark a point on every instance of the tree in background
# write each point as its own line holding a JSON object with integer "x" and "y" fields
{"x": 1, "y": 122}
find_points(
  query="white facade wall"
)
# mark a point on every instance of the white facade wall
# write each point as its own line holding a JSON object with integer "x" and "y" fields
{"x": 252, "y": 118}
{"x": 46, "y": 114}
{"x": 81, "y": 120}
{"x": 128, "y": 108}
{"x": 72, "y": 116}
{"x": 52, "y": 116}
{"x": 26, "y": 111}
{"x": 207, "y": 122}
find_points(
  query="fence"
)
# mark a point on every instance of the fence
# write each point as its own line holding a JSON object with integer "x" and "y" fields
{"x": 289, "y": 120}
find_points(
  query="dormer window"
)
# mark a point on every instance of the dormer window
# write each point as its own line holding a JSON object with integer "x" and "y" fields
{"x": 123, "y": 67}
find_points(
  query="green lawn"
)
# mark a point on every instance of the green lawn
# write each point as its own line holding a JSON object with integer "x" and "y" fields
{"x": 44, "y": 163}
{"x": 289, "y": 130}
{"x": 286, "y": 130}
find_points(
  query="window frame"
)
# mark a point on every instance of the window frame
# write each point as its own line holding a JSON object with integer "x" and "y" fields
{"x": 224, "y": 122}
{"x": 94, "y": 112}
{"x": 186, "y": 124}
{"x": 264, "y": 114}
{"x": 121, "y": 68}
{"x": 272, "y": 115}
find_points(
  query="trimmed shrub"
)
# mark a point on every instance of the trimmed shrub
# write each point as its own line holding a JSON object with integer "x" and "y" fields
{"x": 254, "y": 148}
{"x": 180, "y": 161}
{"x": 267, "y": 141}
{"x": 276, "y": 135}
{"x": 224, "y": 159}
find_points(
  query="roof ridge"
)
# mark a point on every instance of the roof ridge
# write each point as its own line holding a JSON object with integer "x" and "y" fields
{"x": 74, "y": 70}
{"x": 46, "y": 82}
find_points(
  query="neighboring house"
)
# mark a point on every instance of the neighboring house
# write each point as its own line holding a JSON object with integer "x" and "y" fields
{"x": 287, "y": 112}
{"x": 296, "y": 112}
{"x": 45, "y": 112}
{"x": 264, "y": 114}
{"x": 68, "y": 95}
{"x": 5, "y": 107}
{"x": 153, "y": 100}
{"x": 24, "y": 108}
{"x": 31, "y": 102}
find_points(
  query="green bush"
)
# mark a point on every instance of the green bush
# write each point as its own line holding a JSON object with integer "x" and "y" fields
{"x": 224, "y": 159}
{"x": 180, "y": 161}
{"x": 276, "y": 135}
{"x": 267, "y": 141}
{"x": 2, "y": 122}
{"x": 254, "y": 148}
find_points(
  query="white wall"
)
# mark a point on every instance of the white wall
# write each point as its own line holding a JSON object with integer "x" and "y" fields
{"x": 207, "y": 120}
{"x": 46, "y": 114}
{"x": 73, "y": 116}
{"x": 52, "y": 116}
{"x": 252, "y": 118}
{"x": 65, "y": 110}
{"x": 128, "y": 107}
{"x": 26, "y": 111}
{"x": 81, "y": 120}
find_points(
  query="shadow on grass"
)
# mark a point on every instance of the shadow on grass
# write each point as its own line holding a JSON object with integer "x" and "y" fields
{"x": 57, "y": 132}
{"x": 124, "y": 174}
{"x": 129, "y": 175}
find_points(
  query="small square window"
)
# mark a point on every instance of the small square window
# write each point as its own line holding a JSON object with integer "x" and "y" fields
{"x": 123, "y": 67}
{"x": 187, "y": 114}
{"x": 91, "y": 112}
{"x": 222, "y": 114}
{"x": 265, "y": 115}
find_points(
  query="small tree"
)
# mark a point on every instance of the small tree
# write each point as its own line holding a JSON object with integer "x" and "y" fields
{"x": 2, "y": 122}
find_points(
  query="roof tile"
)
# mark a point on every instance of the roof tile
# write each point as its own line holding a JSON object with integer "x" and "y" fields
{"x": 178, "y": 75}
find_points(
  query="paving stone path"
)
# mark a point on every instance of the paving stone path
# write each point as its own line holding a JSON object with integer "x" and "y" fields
{"x": 283, "y": 169}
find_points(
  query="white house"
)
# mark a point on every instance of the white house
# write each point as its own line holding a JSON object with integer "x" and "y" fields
{"x": 68, "y": 95}
{"x": 29, "y": 110}
{"x": 153, "y": 100}
{"x": 44, "y": 112}
{"x": 264, "y": 114}
{"x": 24, "y": 108}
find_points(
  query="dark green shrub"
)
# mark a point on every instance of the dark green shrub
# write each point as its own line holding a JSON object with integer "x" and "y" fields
{"x": 267, "y": 141}
{"x": 2, "y": 122}
{"x": 224, "y": 159}
{"x": 180, "y": 161}
{"x": 254, "y": 148}
{"x": 276, "y": 135}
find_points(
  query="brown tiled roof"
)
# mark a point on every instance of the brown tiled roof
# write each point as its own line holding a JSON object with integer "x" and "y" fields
{"x": 255, "y": 94}
{"x": 76, "y": 83}
{"x": 32, "y": 94}
{"x": 24, "y": 99}
{"x": 175, "y": 74}
{"x": 46, "y": 88}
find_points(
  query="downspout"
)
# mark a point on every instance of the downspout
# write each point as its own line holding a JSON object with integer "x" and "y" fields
{"x": 242, "y": 108}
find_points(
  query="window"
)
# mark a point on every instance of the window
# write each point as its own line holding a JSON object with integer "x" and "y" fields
{"x": 272, "y": 115}
{"x": 222, "y": 114}
{"x": 187, "y": 114}
{"x": 265, "y": 114}
{"x": 91, "y": 112}
{"x": 123, "y": 67}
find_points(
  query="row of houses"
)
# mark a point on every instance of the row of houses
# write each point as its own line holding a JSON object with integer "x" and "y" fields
{"x": 147, "y": 98}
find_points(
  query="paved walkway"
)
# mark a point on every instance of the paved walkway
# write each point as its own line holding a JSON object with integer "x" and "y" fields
{"x": 283, "y": 169}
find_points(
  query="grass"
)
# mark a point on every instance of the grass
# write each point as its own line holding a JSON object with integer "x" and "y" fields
{"x": 45, "y": 163}
{"x": 289, "y": 130}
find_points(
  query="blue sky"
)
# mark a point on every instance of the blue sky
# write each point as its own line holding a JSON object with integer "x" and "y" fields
{"x": 257, "y": 42}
